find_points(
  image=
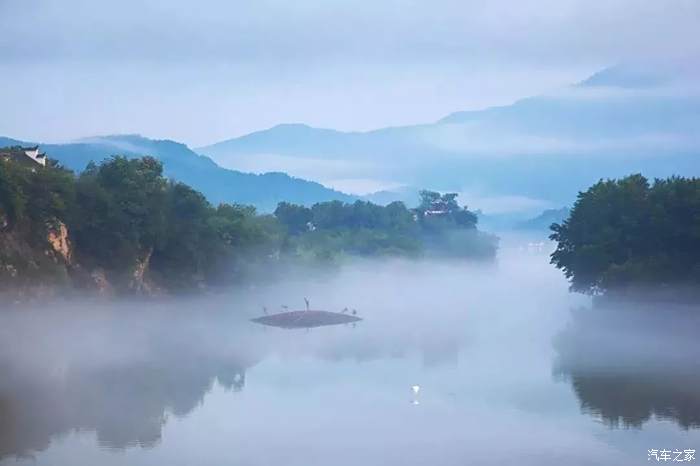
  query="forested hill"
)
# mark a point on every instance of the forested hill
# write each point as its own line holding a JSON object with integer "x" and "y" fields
{"x": 218, "y": 184}
{"x": 121, "y": 227}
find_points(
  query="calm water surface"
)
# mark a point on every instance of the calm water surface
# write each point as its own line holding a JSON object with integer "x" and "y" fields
{"x": 511, "y": 369}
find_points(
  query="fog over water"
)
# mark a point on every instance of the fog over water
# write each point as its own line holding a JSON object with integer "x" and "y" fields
{"x": 512, "y": 369}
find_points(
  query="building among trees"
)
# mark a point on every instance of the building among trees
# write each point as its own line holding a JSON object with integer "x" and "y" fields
{"x": 24, "y": 155}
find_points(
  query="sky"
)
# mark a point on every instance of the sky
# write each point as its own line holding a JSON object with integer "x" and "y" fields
{"x": 204, "y": 71}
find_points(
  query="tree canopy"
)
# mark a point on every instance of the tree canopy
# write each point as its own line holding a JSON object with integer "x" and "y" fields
{"x": 123, "y": 212}
{"x": 630, "y": 234}
{"x": 32, "y": 198}
{"x": 126, "y": 219}
{"x": 439, "y": 226}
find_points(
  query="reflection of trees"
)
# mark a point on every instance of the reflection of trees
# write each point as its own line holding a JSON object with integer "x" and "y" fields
{"x": 126, "y": 403}
{"x": 631, "y": 399}
{"x": 627, "y": 366}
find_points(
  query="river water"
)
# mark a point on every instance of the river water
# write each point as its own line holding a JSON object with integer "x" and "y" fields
{"x": 451, "y": 365}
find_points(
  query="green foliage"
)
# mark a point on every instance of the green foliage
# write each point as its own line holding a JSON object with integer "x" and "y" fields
{"x": 124, "y": 216}
{"x": 127, "y": 206}
{"x": 188, "y": 243}
{"x": 331, "y": 229}
{"x": 438, "y": 213}
{"x": 628, "y": 233}
{"x": 450, "y": 230}
{"x": 120, "y": 211}
{"x": 123, "y": 212}
{"x": 13, "y": 180}
{"x": 294, "y": 217}
{"x": 34, "y": 198}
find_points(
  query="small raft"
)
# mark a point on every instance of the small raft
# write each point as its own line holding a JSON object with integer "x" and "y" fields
{"x": 306, "y": 319}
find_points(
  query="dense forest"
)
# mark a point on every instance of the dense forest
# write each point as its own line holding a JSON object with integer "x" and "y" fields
{"x": 121, "y": 226}
{"x": 632, "y": 236}
{"x": 438, "y": 227}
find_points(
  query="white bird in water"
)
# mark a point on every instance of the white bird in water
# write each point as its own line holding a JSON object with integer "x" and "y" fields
{"x": 415, "y": 389}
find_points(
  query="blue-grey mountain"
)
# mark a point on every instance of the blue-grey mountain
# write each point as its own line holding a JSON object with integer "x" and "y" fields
{"x": 182, "y": 164}
{"x": 618, "y": 121}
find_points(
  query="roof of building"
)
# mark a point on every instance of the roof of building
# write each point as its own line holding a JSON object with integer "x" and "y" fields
{"x": 19, "y": 153}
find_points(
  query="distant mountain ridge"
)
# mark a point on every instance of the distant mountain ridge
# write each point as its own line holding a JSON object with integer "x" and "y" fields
{"x": 182, "y": 164}
{"x": 618, "y": 121}
{"x": 544, "y": 220}
{"x": 538, "y": 151}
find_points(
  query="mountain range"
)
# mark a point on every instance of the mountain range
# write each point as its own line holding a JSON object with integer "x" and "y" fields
{"x": 511, "y": 161}
{"x": 182, "y": 164}
{"x": 543, "y": 221}
{"x": 534, "y": 154}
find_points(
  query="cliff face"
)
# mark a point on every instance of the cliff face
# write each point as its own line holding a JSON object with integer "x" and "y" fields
{"x": 34, "y": 270}
{"x": 60, "y": 243}
{"x": 140, "y": 282}
{"x": 30, "y": 269}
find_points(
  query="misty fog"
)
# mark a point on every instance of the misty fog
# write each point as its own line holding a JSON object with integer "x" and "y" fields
{"x": 510, "y": 367}
{"x": 347, "y": 233}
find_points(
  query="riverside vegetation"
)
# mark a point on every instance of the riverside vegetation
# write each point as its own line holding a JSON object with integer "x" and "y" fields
{"x": 631, "y": 237}
{"x": 121, "y": 227}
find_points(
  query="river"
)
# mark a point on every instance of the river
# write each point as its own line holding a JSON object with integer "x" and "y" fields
{"x": 451, "y": 365}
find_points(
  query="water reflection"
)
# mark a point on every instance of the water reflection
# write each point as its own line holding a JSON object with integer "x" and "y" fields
{"x": 124, "y": 394}
{"x": 631, "y": 364}
{"x": 459, "y": 376}
{"x": 123, "y": 374}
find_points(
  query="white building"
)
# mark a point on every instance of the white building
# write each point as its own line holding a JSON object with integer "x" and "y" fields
{"x": 34, "y": 154}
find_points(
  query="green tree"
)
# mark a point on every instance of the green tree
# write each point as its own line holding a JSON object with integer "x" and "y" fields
{"x": 120, "y": 214}
{"x": 630, "y": 234}
{"x": 294, "y": 217}
{"x": 188, "y": 243}
{"x": 366, "y": 229}
{"x": 13, "y": 179}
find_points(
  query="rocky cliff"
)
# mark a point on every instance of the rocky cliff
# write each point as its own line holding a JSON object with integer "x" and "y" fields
{"x": 47, "y": 268}
{"x": 30, "y": 269}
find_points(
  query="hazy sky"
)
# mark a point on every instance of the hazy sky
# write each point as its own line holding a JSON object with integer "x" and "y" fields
{"x": 202, "y": 71}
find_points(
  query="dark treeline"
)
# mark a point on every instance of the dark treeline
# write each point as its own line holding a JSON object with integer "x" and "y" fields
{"x": 437, "y": 227}
{"x": 122, "y": 225}
{"x": 125, "y": 226}
{"x": 631, "y": 236}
